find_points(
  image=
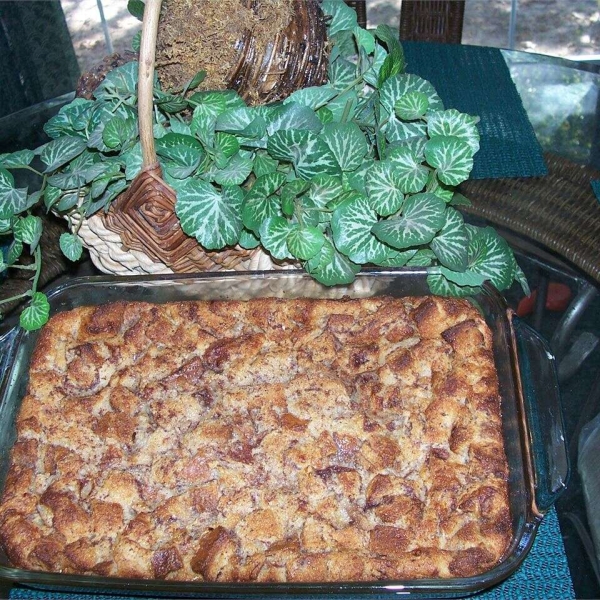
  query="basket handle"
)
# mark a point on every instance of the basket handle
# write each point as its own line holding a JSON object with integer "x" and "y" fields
{"x": 146, "y": 82}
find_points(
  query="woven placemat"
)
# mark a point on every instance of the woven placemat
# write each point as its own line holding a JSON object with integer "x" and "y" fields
{"x": 476, "y": 80}
{"x": 543, "y": 574}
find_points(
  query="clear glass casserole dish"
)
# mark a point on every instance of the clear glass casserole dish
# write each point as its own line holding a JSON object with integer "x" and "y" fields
{"x": 532, "y": 421}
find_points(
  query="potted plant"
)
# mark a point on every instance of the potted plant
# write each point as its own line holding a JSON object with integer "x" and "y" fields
{"x": 360, "y": 170}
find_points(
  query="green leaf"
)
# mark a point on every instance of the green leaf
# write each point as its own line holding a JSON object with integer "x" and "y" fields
{"x": 28, "y": 230}
{"x": 325, "y": 115}
{"x": 384, "y": 188}
{"x": 36, "y": 314}
{"x": 405, "y": 132}
{"x": 371, "y": 75}
{"x": 490, "y": 255}
{"x": 236, "y": 172}
{"x": 257, "y": 208}
{"x": 412, "y": 176}
{"x": 267, "y": 184}
{"x": 121, "y": 80}
{"x": 394, "y": 62}
{"x": 169, "y": 103}
{"x": 365, "y": 39}
{"x": 136, "y": 42}
{"x": 468, "y": 278}
{"x": 286, "y": 145}
{"x": 347, "y": 143}
{"x": 344, "y": 104}
{"x": 14, "y": 160}
{"x": 136, "y": 8}
{"x": 413, "y": 105}
{"x": 342, "y": 16}
{"x": 112, "y": 191}
{"x": 451, "y": 157}
{"x": 422, "y": 217}
{"x": 330, "y": 267}
{"x": 352, "y": 223}
{"x": 423, "y": 258}
{"x": 315, "y": 158}
{"x": 67, "y": 202}
{"x": 12, "y": 200}
{"x": 522, "y": 279}
{"x": 399, "y": 85}
{"x": 208, "y": 105}
{"x": 451, "y": 243}
{"x": 341, "y": 74}
{"x": 118, "y": 131}
{"x": 194, "y": 82}
{"x": 313, "y": 97}
{"x": 60, "y": 151}
{"x": 397, "y": 258}
{"x": 133, "y": 161}
{"x": 71, "y": 246}
{"x": 6, "y": 179}
{"x": 15, "y": 250}
{"x": 440, "y": 286}
{"x": 273, "y": 236}
{"x": 460, "y": 200}
{"x": 292, "y": 116}
{"x": 212, "y": 217}
{"x": 454, "y": 124}
{"x": 226, "y": 145}
{"x": 263, "y": 164}
{"x": 248, "y": 240}
{"x": 304, "y": 242}
{"x": 6, "y": 226}
{"x": 356, "y": 180}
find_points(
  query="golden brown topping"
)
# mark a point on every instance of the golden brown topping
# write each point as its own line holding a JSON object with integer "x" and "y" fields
{"x": 267, "y": 440}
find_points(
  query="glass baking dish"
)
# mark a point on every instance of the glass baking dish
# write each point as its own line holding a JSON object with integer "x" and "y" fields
{"x": 532, "y": 418}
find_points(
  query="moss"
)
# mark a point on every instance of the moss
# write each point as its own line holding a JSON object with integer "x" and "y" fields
{"x": 197, "y": 35}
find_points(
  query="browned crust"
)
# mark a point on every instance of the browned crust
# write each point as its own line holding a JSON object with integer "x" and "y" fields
{"x": 268, "y": 440}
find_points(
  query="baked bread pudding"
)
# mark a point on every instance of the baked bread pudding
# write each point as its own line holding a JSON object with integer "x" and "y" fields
{"x": 261, "y": 440}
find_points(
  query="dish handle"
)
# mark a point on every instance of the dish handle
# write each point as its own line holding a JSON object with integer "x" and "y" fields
{"x": 543, "y": 411}
{"x": 7, "y": 346}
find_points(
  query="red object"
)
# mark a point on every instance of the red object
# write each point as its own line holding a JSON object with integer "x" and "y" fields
{"x": 557, "y": 300}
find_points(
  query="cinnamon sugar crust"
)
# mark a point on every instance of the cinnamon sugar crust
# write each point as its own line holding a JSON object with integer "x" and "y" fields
{"x": 267, "y": 440}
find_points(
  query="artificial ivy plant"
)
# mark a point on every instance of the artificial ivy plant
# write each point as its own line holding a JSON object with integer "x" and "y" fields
{"x": 361, "y": 170}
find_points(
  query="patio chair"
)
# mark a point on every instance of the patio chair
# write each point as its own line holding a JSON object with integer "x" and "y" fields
{"x": 424, "y": 20}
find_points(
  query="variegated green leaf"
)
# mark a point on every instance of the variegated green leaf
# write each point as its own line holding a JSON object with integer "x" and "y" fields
{"x": 208, "y": 104}
{"x": 17, "y": 159}
{"x": 286, "y": 145}
{"x": 356, "y": 180}
{"x": 248, "y": 240}
{"x": 451, "y": 157}
{"x": 398, "y": 86}
{"x": 273, "y": 236}
{"x": 402, "y": 131}
{"x": 324, "y": 189}
{"x": 256, "y": 209}
{"x": 422, "y": 217}
{"x": 440, "y": 286}
{"x": 315, "y": 158}
{"x": 330, "y": 267}
{"x": 133, "y": 161}
{"x": 454, "y": 123}
{"x": 342, "y": 74}
{"x": 266, "y": 185}
{"x": 226, "y": 145}
{"x": 351, "y": 224}
{"x": 71, "y": 246}
{"x": 118, "y": 131}
{"x": 468, "y": 278}
{"x": 36, "y": 314}
{"x": 304, "y": 242}
{"x": 60, "y": 151}
{"x": 343, "y": 105}
{"x": 411, "y": 174}
{"x": 365, "y": 39}
{"x": 263, "y": 164}
{"x": 236, "y": 172}
{"x": 347, "y": 143}
{"x": 314, "y": 97}
{"x": 384, "y": 188}
{"x": 489, "y": 255}
{"x": 450, "y": 245}
{"x": 422, "y": 258}
{"x": 122, "y": 80}
{"x": 342, "y": 16}
{"x": 12, "y": 200}
{"x": 397, "y": 258}
{"x": 413, "y": 105}
{"x": 28, "y": 230}
{"x": 292, "y": 116}
{"x": 212, "y": 217}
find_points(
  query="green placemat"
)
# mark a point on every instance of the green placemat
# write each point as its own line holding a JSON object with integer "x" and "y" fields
{"x": 476, "y": 80}
{"x": 544, "y": 574}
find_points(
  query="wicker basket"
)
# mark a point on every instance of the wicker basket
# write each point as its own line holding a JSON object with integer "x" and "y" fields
{"x": 140, "y": 233}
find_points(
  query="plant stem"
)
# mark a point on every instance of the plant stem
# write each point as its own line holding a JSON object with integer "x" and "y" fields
{"x": 38, "y": 263}
{"x": 23, "y": 267}
{"x": 26, "y": 294}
